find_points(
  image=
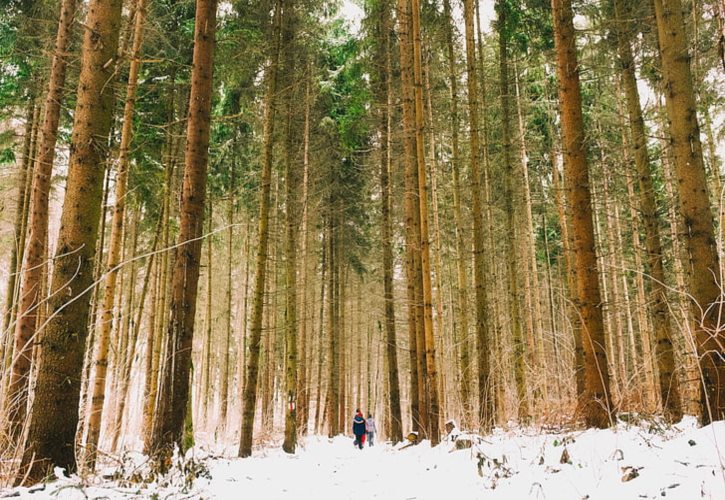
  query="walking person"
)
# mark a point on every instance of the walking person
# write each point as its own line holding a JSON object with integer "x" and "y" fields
{"x": 370, "y": 429}
{"x": 358, "y": 428}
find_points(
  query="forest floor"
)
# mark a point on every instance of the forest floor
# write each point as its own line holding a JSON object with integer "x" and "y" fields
{"x": 627, "y": 462}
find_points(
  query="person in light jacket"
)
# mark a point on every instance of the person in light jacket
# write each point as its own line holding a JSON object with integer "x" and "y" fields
{"x": 358, "y": 428}
{"x": 370, "y": 429}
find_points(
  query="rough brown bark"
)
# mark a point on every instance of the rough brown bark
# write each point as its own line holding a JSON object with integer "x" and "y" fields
{"x": 54, "y": 414}
{"x": 168, "y": 429}
{"x": 320, "y": 336}
{"x": 342, "y": 346}
{"x": 333, "y": 380}
{"x": 7, "y": 340}
{"x": 33, "y": 262}
{"x": 662, "y": 323}
{"x": 242, "y": 341}
{"x": 695, "y": 209}
{"x": 594, "y": 403}
{"x": 611, "y": 296}
{"x": 114, "y": 250}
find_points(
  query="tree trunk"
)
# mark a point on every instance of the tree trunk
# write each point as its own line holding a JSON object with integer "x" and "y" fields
{"x": 25, "y": 175}
{"x": 497, "y": 284}
{"x": 207, "y": 363}
{"x": 174, "y": 388}
{"x": 224, "y": 389}
{"x": 320, "y": 337}
{"x": 384, "y": 95}
{"x": 303, "y": 378}
{"x": 33, "y": 258}
{"x": 485, "y": 398}
{"x": 529, "y": 244}
{"x": 342, "y": 346}
{"x": 242, "y": 345}
{"x": 643, "y": 316}
{"x": 683, "y": 321}
{"x": 158, "y": 311}
{"x": 96, "y": 297}
{"x": 570, "y": 283}
{"x": 333, "y": 381}
{"x": 510, "y": 242}
{"x": 412, "y": 222}
{"x": 461, "y": 251}
{"x": 54, "y": 414}
{"x": 292, "y": 181}
{"x": 114, "y": 250}
{"x": 611, "y": 297}
{"x": 691, "y": 183}
{"x": 132, "y": 347}
{"x": 595, "y": 402}
{"x": 430, "y": 350}
{"x": 250, "y": 388}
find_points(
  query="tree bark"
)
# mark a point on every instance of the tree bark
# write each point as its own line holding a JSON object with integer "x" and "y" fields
{"x": 594, "y": 403}
{"x": 485, "y": 397}
{"x": 695, "y": 209}
{"x": 20, "y": 231}
{"x": 168, "y": 429}
{"x": 430, "y": 350}
{"x": 54, "y": 414}
{"x": 320, "y": 337}
{"x": 33, "y": 258}
{"x": 158, "y": 311}
{"x": 333, "y": 381}
{"x": 250, "y": 388}
{"x": 114, "y": 250}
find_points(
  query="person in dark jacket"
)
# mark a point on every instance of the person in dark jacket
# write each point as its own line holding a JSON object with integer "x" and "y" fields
{"x": 358, "y": 428}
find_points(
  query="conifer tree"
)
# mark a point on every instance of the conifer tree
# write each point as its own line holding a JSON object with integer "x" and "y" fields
{"x": 50, "y": 440}
{"x": 594, "y": 403}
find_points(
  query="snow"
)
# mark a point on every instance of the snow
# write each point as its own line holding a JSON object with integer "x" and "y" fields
{"x": 680, "y": 462}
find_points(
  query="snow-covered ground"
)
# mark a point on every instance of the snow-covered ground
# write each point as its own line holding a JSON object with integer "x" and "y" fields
{"x": 634, "y": 462}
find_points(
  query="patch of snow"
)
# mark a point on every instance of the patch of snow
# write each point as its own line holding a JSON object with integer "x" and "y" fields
{"x": 629, "y": 461}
